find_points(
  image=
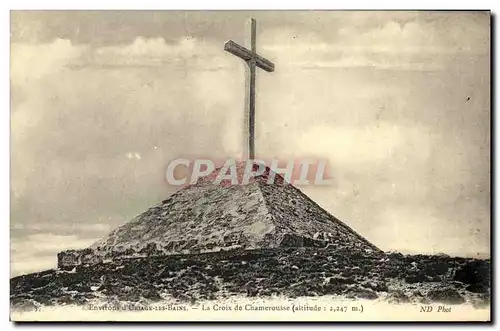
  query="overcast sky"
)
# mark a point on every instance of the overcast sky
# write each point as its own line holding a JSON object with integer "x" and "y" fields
{"x": 397, "y": 102}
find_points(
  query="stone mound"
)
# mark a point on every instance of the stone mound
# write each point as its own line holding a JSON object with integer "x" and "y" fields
{"x": 208, "y": 217}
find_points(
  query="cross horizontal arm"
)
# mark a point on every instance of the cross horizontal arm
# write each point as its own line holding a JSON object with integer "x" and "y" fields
{"x": 247, "y": 55}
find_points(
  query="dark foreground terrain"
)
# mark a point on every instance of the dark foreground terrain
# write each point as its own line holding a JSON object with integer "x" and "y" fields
{"x": 290, "y": 272}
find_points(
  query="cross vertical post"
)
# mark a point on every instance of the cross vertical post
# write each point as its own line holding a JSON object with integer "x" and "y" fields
{"x": 253, "y": 60}
{"x": 251, "y": 118}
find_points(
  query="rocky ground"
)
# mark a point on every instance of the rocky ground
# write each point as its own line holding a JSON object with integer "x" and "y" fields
{"x": 290, "y": 272}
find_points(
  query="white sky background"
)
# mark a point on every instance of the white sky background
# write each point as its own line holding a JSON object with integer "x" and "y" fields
{"x": 100, "y": 102}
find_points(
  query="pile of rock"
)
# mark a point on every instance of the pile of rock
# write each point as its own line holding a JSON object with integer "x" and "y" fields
{"x": 291, "y": 272}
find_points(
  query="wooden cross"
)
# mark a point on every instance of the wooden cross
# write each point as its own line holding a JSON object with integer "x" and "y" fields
{"x": 253, "y": 60}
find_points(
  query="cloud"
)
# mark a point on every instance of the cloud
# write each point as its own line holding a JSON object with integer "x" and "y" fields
{"x": 39, "y": 251}
{"x": 154, "y": 48}
{"x": 184, "y": 54}
{"x": 32, "y": 62}
{"x": 414, "y": 232}
{"x": 358, "y": 146}
{"x": 417, "y": 45}
{"x": 46, "y": 242}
